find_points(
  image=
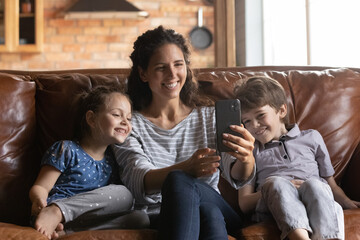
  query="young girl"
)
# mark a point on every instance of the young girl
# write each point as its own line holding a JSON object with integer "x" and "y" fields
{"x": 72, "y": 190}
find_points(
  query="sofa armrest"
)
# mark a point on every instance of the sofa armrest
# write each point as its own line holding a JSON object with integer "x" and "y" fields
{"x": 352, "y": 176}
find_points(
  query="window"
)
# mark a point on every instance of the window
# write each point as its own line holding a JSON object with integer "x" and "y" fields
{"x": 306, "y": 32}
{"x": 284, "y": 31}
{"x": 334, "y": 34}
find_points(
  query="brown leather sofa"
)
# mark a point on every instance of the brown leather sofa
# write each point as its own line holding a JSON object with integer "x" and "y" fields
{"x": 35, "y": 112}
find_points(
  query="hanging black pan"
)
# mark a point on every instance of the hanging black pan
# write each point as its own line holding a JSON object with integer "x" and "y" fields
{"x": 200, "y": 36}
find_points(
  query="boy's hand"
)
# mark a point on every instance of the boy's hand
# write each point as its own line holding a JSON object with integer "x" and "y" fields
{"x": 37, "y": 205}
{"x": 297, "y": 183}
{"x": 243, "y": 146}
{"x": 243, "y": 151}
{"x": 350, "y": 204}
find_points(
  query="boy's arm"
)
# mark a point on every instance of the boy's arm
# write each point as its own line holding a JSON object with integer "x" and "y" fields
{"x": 340, "y": 196}
{"x": 247, "y": 198}
{"x": 244, "y": 167}
{"x": 38, "y": 194}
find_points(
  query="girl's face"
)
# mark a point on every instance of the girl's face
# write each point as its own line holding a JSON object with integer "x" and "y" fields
{"x": 166, "y": 73}
{"x": 265, "y": 123}
{"x": 112, "y": 124}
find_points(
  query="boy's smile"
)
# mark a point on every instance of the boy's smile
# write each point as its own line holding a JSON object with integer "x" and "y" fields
{"x": 265, "y": 123}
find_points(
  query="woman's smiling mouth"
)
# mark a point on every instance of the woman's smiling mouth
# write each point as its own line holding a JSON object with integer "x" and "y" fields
{"x": 170, "y": 85}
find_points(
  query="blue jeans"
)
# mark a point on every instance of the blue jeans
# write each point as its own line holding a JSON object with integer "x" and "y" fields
{"x": 191, "y": 209}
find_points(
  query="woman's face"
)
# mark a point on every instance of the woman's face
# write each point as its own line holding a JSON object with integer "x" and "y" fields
{"x": 166, "y": 73}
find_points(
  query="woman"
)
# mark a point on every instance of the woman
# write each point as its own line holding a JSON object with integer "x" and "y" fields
{"x": 174, "y": 130}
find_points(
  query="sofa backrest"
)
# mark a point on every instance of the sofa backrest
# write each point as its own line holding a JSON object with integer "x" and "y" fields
{"x": 324, "y": 99}
{"x": 55, "y": 96}
{"x": 36, "y": 111}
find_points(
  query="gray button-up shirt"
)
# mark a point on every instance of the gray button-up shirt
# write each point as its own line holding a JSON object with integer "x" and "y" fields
{"x": 297, "y": 155}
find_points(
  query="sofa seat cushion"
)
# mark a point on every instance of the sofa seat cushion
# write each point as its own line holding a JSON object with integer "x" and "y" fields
{"x": 15, "y": 232}
{"x": 269, "y": 230}
{"x": 352, "y": 223}
{"x": 263, "y": 230}
{"x": 143, "y": 234}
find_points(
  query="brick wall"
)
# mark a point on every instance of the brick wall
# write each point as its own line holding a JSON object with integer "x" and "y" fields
{"x": 107, "y": 43}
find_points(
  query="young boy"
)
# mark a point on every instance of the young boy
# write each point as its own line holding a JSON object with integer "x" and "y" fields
{"x": 294, "y": 177}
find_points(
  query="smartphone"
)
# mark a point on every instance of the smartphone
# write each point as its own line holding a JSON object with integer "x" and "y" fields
{"x": 228, "y": 112}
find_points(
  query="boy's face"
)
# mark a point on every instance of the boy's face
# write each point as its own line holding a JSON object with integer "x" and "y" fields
{"x": 265, "y": 123}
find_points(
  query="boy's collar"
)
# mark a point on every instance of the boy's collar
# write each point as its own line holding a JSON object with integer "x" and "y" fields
{"x": 293, "y": 131}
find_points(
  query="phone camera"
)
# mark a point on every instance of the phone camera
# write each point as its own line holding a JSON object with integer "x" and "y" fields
{"x": 234, "y": 106}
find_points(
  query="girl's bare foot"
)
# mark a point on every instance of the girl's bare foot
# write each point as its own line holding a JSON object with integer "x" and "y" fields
{"x": 48, "y": 220}
{"x": 59, "y": 231}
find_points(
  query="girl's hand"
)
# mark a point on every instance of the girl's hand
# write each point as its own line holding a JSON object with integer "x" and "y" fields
{"x": 37, "y": 205}
{"x": 203, "y": 162}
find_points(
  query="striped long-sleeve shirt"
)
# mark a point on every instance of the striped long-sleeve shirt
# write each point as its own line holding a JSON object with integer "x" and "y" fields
{"x": 151, "y": 147}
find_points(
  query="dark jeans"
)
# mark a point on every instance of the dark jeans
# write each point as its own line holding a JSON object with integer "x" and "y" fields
{"x": 191, "y": 209}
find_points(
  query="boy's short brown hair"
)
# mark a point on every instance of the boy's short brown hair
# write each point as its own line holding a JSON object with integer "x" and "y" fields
{"x": 258, "y": 91}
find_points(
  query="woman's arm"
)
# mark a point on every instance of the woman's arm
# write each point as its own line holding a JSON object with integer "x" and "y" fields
{"x": 39, "y": 191}
{"x": 340, "y": 196}
{"x": 247, "y": 198}
{"x": 202, "y": 163}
